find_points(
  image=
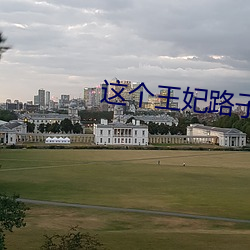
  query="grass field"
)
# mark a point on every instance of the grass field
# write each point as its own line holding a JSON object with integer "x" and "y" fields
{"x": 212, "y": 183}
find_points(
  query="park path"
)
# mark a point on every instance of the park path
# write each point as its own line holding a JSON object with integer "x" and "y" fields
{"x": 132, "y": 210}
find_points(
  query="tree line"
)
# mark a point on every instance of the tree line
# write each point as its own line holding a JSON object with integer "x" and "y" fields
{"x": 164, "y": 129}
{"x": 6, "y": 115}
{"x": 234, "y": 121}
{"x": 95, "y": 116}
{"x": 65, "y": 126}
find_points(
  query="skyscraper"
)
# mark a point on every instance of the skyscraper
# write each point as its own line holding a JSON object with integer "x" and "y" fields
{"x": 163, "y": 101}
{"x": 64, "y": 101}
{"x": 41, "y": 98}
{"x": 36, "y": 100}
{"x": 47, "y": 99}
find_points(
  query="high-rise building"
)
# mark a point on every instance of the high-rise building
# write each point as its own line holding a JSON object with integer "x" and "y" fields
{"x": 47, "y": 99}
{"x": 92, "y": 96}
{"x": 135, "y": 96}
{"x": 16, "y": 105}
{"x": 163, "y": 101}
{"x": 41, "y": 97}
{"x": 64, "y": 101}
{"x": 36, "y": 100}
{"x": 152, "y": 102}
{"x": 117, "y": 89}
{"x": 125, "y": 94}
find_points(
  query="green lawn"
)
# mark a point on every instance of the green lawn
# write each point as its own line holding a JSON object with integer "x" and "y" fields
{"x": 212, "y": 183}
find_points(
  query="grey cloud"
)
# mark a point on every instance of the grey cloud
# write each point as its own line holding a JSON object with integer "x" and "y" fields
{"x": 199, "y": 43}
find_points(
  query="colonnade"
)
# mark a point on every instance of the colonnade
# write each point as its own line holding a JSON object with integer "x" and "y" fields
{"x": 182, "y": 139}
{"x": 75, "y": 138}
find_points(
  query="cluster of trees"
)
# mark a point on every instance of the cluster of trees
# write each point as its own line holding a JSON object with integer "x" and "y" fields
{"x": 65, "y": 126}
{"x": 164, "y": 129}
{"x": 234, "y": 121}
{"x": 95, "y": 116}
{"x": 13, "y": 213}
{"x": 6, "y": 115}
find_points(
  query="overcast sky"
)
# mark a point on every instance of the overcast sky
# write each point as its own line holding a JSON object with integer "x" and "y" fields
{"x": 66, "y": 45}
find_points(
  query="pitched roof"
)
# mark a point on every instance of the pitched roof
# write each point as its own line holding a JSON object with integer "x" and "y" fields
{"x": 10, "y": 125}
{"x": 217, "y": 129}
{"x": 121, "y": 125}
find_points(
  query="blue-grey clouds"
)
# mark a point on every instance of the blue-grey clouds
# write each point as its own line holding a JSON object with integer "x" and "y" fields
{"x": 63, "y": 46}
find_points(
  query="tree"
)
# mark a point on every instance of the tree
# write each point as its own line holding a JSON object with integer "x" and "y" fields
{"x": 194, "y": 119}
{"x": 2, "y": 47}
{"x": 12, "y": 214}
{"x": 152, "y": 128}
{"x": 73, "y": 240}
{"x": 247, "y": 130}
{"x": 163, "y": 129}
{"x": 227, "y": 121}
{"x": 55, "y": 127}
{"x": 66, "y": 125}
{"x": 77, "y": 128}
{"x": 30, "y": 127}
{"x": 48, "y": 127}
{"x": 7, "y": 115}
{"x": 41, "y": 127}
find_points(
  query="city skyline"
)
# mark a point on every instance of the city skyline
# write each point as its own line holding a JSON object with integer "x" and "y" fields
{"x": 64, "y": 46}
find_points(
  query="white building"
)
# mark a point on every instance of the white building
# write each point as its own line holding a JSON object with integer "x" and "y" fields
{"x": 120, "y": 133}
{"x": 227, "y": 137}
{"x": 9, "y": 131}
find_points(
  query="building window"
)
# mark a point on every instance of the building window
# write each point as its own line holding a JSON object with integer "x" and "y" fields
{"x": 143, "y": 132}
{"x": 118, "y": 140}
{"x": 115, "y": 140}
{"x": 142, "y": 141}
{"x": 101, "y": 131}
{"x": 100, "y": 140}
{"x": 135, "y": 140}
{"x": 126, "y": 140}
{"x": 108, "y": 140}
{"x": 129, "y": 140}
{"x": 135, "y": 132}
{"x": 109, "y": 132}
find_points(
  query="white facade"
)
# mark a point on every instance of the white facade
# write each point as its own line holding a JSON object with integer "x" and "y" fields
{"x": 227, "y": 137}
{"x": 120, "y": 134}
{"x": 9, "y": 131}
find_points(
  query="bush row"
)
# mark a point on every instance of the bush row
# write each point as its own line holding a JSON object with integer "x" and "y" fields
{"x": 150, "y": 147}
